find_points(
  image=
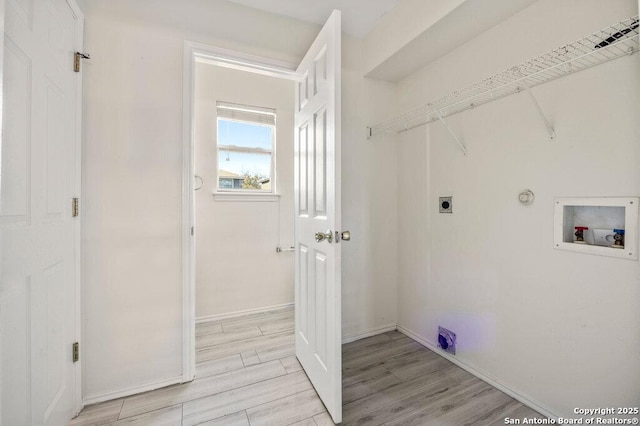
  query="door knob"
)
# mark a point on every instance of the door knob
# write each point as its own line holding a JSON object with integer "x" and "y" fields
{"x": 346, "y": 235}
{"x": 321, "y": 236}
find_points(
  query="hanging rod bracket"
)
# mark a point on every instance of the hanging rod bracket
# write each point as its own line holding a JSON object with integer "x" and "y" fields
{"x": 545, "y": 120}
{"x": 453, "y": 135}
{"x": 369, "y": 132}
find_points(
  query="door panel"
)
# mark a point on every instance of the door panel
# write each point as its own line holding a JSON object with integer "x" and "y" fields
{"x": 16, "y": 189}
{"x": 317, "y": 186}
{"x": 320, "y": 308}
{"x": 55, "y": 151}
{"x": 38, "y": 234}
{"x": 320, "y": 164}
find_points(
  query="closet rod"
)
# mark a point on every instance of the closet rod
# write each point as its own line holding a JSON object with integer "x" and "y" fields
{"x": 613, "y": 42}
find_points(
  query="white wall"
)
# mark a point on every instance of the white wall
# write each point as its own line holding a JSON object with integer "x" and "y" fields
{"x": 401, "y": 25}
{"x": 237, "y": 267}
{"x": 131, "y": 199}
{"x": 369, "y": 201}
{"x": 132, "y": 168}
{"x": 561, "y": 329}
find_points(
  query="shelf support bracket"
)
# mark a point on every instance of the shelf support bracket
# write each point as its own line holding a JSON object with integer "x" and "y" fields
{"x": 545, "y": 120}
{"x": 453, "y": 135}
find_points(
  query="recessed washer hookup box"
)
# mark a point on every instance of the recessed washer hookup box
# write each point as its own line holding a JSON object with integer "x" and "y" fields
{"x": 604, "y": 226}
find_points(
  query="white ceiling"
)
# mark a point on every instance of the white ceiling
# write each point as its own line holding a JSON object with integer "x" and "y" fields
{"x": 358, "y": 16}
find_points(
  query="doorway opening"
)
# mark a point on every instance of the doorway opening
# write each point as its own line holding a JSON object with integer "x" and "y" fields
{"x": 316, "y": 164}
{"x": 238, "y": 188}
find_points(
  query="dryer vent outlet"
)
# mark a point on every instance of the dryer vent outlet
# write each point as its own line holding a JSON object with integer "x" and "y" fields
{"x": 447, "y": 340}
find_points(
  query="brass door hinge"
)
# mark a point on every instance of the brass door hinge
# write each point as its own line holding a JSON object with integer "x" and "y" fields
{"x": 74, "y": 207}
{"x": 76, "y": 352}
{"x": 76, "y": 60}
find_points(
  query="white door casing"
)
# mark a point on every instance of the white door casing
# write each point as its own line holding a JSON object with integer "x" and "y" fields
{"x": 318, "y": 324}
{"x": 1, "y": 109}
{"x": 39, "y": 238}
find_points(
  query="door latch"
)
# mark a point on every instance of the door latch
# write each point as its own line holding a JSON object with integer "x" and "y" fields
{"x": 321, "y": 236}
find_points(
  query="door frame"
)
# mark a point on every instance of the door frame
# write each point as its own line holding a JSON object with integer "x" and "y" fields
{"x": 203, "y": 53}
{"x": 78, "y": 403}
{"x": 1, "y": 140}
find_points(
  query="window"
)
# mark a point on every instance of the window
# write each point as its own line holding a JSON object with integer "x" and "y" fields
{"x": 246, "y": 145}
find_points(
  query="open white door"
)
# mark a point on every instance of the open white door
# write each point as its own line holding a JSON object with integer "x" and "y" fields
{"x": 39, "y": 236}
{"x": 317, "y": 205}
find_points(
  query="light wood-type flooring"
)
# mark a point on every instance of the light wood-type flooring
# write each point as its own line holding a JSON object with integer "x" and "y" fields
{"x": 247, "y": 374}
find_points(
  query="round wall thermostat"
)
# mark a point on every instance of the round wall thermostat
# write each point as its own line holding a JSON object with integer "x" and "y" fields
{"x": 526, "y": 197}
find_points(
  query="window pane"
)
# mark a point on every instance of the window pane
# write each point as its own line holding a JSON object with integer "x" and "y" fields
{"x": 245, "y": 151}
{"x": 246, "y": 135}
{"x": 226, "y": 183}
{"x": 241, "y": 170}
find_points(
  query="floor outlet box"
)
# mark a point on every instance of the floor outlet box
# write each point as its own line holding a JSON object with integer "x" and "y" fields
{"x": 447, "y": 340}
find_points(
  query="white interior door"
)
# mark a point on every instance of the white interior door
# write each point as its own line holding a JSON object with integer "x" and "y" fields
{"x": 38, "y": 234}
{"x": 317, "y": 205}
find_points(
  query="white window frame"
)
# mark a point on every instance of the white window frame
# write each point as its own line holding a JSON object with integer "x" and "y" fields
{"x": 237, "y": 194}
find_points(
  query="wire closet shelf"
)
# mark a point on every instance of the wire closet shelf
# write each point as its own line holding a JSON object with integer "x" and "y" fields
{"x": 605, "y": 45}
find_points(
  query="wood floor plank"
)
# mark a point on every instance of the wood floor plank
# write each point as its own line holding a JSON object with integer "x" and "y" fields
{"x": 285, "y": 411}
{"x": 519, "y": 412}
{"x": 222, "y": 365}
{"x": 99, "y": 414}
{"x": 421, "y": 364}
{"x": 393, "y": 351}
{"x": 305, "y": 422}
{"x": 169, "y": 416}
{"x": 236, "y": 419}
{"x": 370, "y": 365}
{"x": 395, "y": 334}
{"x": 222, "y": 404}
{"x": 291, "y": 364}
{"x": 369, "y": 386}
{"x": 250, "y": 358}
{"x": 417, "y": 408}
{"x": 323, "y": 419}
{"x": 277, "y": 352}
{"x": 227, "y": 337}
{"x": 484, "y": 412}
{"x": 200, "y": 388}
{"x": 477, "y": 403}
{"x": 208, "y": 328}
{"x": 384, "y": 406}
{"x": 277, "y": 326}
{"x": 240, "y": 323}
{"x": 256, "y": 343}
{"x": 369, "y": 344}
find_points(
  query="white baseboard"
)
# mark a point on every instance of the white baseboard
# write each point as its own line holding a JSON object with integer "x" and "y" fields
{"x": 131, "y": 391}
{"x": 535, "y": 405}
{"x": 235, "y": 314}
{"x": 369, "y": 333}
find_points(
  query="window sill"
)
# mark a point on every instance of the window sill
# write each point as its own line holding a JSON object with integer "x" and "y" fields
{"x": 252, "y": 197}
